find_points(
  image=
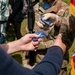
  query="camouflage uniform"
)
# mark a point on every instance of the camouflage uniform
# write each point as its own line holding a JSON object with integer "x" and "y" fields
{"x": 4, "y": 13}
{"x": 62, "y": 11}
{"x": 38, "y": 8}
{"x": 53, "y": 31}
{"x": 68, "y": 40}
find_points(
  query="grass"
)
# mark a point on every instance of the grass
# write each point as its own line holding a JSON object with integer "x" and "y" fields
{"x": 18, "y": 55}
{"x": 67, "y": 1}
{"x": 11, "y": 37}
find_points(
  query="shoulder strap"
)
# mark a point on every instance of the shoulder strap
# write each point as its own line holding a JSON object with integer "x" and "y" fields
{"x": 54, "y": 2}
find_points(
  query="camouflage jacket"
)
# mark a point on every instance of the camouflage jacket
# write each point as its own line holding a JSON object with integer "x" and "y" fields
{"x": 39, "y": 8}
{"x": 53, "y": 31}
{"x": 4, "y": 11}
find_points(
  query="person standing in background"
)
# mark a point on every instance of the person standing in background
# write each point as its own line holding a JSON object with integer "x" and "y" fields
{"x": 18, "y": 15}
{"x": 4, "y": 14}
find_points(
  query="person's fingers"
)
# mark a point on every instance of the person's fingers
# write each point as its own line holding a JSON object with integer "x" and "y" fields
{"x": 36, "y": 48}
{"x": 58, "y": 38}
{"x": 47, "y": 16}
{"x": 37, "y": 42}
{"x": 51, "y": 24}
{"x": 39, "y": 24}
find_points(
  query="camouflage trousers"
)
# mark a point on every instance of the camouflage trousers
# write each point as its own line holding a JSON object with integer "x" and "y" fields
{"x": 2, "y": 32}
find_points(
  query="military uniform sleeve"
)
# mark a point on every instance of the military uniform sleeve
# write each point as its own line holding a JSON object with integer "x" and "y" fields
{"x": 69, "y": 21}
{"x": 46, "y": 44}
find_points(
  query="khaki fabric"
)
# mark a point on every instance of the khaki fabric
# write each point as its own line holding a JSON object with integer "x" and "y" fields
{"x": 52, "y": 31}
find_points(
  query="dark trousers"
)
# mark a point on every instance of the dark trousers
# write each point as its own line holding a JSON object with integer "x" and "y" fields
{"x": 16, "y": 17}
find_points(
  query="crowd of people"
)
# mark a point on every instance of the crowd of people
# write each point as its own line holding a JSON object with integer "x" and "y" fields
{"x": 51, "y": 51}
{"x": 11, "y": 9}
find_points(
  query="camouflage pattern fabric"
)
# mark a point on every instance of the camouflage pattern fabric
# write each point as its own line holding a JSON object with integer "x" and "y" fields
{"x": 53, "y": 31}
{"x": 62, "y": 12}
{"x": 38, "y": 8}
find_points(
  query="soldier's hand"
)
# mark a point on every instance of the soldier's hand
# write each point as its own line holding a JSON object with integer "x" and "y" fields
{"x": 54, "y": 19}
{"x": 39, "y": 24}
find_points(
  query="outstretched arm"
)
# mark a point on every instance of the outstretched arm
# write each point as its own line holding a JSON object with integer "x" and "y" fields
{"x": 50, "y": 65}
{"x": 25, "y": 43}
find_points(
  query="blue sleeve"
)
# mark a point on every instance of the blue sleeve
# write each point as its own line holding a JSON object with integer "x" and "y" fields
{"x": 8, "y": 66}
{"x": 50, "y": 65}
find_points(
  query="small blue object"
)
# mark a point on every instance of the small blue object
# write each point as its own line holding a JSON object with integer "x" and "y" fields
{"x": 46, "y": 6}
{"x": 41, "y": 34}
{"x": 47, "y": 22}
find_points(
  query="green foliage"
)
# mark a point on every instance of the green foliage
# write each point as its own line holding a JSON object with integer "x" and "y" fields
{"x": 41, "y": 0}
{"x": 17, "y": 56}
{"x": 67, "y": 1}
